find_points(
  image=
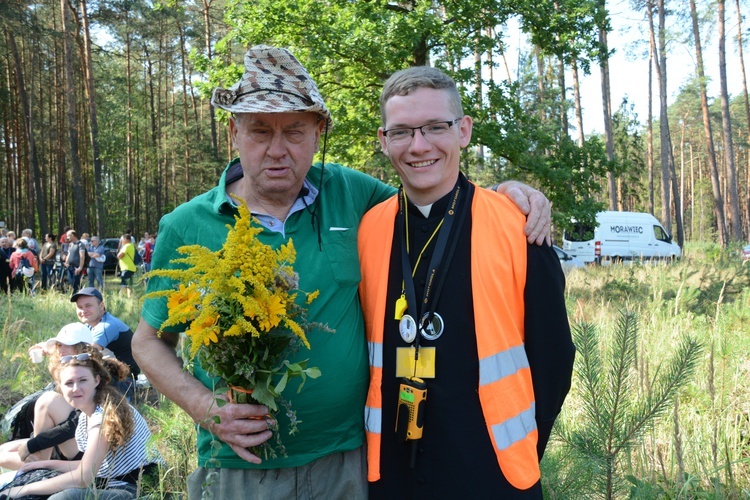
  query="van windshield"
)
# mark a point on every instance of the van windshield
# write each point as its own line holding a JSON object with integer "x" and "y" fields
{"x": 579, "y": 232}
{"x": 661, "y": 234}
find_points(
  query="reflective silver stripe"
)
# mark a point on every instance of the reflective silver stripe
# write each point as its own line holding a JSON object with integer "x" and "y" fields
{"x": 514, "y": 429}
{"x": 373, "y": 418}
{"x": 501, "y": 365}
{"x": 376, "y": 354}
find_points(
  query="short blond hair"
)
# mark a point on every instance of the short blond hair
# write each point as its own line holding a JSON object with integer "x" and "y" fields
{"x": 408, "y": 80}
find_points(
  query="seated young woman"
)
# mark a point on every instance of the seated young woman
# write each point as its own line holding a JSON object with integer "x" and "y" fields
{"x": 54, "y": 418}
{"x": 111, "y": 434}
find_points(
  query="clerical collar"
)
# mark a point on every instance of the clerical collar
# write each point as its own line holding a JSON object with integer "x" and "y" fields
{"x": 425, "y": 209}
{"x": 436, "y": 209}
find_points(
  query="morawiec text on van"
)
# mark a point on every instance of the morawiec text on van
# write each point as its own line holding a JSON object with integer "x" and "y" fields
{"x": 620, "y": 236}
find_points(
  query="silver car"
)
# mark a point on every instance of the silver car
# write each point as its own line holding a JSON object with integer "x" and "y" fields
{"x": 567, "y": 261}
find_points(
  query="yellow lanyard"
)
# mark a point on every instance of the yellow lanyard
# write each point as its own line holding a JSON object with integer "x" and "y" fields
{"x": 401, "y": 303}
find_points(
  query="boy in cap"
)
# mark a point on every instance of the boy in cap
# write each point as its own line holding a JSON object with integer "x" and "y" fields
{"x": 278, "y": 117}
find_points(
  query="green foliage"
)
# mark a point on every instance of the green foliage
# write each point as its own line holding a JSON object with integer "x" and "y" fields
{"x": 351, "y": 48}
{"x": 694, "y": 449}
{"x": 618, "y": 414}
{"x": 174, "y": 434}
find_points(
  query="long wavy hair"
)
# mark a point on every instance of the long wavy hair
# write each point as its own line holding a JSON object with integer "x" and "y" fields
{"x": 118, "y": 423}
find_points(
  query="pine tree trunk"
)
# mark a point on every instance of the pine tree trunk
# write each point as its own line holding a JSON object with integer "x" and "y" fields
{"x": 577, "y": 103}
{"x": 129, "y": 105}
{"x": 747, "y": 116}
{"x": 93, "y": 122}
{"x": 207, "y": 35}
{"x": 651, "y": 62}
{"x": 563, "y": 96}
{"x": 540, "y": 83}
{"x": 735, "y": 224}
{"x": 28, "y": 123}
{"x": 71, "y": 98}
{"x": 185, "y": 121}
{"x": 708, "y": 133}
{"x": 607, "y": 109}
{"x": 667, "y": 161}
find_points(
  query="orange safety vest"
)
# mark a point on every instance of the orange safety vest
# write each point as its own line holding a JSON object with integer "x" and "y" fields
{"x": 498, "y": 273}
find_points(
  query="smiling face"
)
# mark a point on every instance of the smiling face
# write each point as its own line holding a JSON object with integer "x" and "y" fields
{"x": 428, "y": 168}
{"x": 78, "y": 386}
{"x": 89, "y": 310}
{"x": 276, "y": 151}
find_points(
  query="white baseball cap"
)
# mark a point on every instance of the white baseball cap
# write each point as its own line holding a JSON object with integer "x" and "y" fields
{"x": 72, "y": 334}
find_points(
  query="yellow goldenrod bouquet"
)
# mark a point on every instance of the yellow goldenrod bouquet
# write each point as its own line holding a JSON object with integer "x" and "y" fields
{"x": 243, "y": 321}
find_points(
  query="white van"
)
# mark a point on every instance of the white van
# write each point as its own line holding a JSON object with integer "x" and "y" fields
{"x": 620, "y": 236}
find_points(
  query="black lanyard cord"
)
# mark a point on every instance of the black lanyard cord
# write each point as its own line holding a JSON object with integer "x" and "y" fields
{"x": 440, "y": 259}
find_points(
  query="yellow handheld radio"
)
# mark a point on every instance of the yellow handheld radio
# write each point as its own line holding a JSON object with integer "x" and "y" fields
{"x": 412, "y": 396}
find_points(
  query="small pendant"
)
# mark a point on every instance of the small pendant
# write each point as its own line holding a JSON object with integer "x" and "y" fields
{"x": 434, "y": 329}
{"x": 407, "y": 327}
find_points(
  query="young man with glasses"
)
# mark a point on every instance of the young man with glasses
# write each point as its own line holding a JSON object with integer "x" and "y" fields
{"x": 470, "y": 350}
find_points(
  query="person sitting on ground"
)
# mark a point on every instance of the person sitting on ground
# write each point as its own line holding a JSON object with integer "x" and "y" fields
{"x": 14, "y": 454}
{"x": 111, "y": 434}
{"x": 50, "y": 409}
{"x": 108, "y": 331}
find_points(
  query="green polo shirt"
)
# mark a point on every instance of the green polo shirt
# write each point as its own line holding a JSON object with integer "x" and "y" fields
{"x": 330, "y": 407}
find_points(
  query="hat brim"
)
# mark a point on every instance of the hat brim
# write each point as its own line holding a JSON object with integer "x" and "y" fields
{"x": 266, "y": 102}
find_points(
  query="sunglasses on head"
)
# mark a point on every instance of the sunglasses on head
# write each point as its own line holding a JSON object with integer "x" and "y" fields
{"x": 84, "y": 356}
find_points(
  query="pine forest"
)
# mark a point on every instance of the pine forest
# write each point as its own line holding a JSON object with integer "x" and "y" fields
{"x": 106, "y": 122}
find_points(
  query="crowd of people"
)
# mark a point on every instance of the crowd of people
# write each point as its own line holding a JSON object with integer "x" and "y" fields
{"x": 86, "y": 436}
{"x": 25, "y": 264}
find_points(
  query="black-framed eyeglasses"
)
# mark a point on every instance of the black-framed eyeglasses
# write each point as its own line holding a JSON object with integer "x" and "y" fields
{"x": 431, "y": 131}
{"x": 84, "y": 356}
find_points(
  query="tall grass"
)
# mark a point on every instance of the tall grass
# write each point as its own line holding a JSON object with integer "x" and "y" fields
{"x": 698, "y": 447}
{"x": 701, "y": 446}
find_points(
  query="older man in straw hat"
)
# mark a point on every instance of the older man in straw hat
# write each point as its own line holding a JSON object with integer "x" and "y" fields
{"x": 278, "y": 117}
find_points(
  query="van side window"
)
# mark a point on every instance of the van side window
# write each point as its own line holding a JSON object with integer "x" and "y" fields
{"x": 661, "y": 234}
{"x": 579, "y": 232}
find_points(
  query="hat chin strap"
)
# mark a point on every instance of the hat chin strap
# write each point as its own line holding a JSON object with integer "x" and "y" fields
{"x": 314, "y": 211}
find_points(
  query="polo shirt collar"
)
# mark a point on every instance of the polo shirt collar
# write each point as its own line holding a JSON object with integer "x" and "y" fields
{"x": 222, "y": 203}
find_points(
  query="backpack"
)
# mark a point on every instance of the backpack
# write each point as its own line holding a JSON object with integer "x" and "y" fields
{"x": 24, "y": 262}
{"x": 18, "y": 422}
{"x": 138, "y": 258}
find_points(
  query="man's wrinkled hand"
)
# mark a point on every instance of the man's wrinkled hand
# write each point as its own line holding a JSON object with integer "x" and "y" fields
{"x": 241, "y": 426}
{"x": 534, "y": 205}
